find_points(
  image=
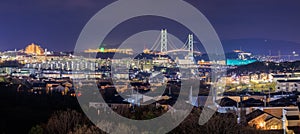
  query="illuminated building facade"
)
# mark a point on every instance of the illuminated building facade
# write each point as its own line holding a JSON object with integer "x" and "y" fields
{"x": 34, "y": 49}
{"x": 238, "y": 58}
{"x": 238, "y": 62}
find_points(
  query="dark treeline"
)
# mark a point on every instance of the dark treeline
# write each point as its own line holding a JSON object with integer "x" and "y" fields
{"x": 20, "y": 111}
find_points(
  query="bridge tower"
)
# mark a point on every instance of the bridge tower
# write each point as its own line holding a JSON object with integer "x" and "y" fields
{"x": 191, "y": 46}
{"x": 164, "y": 41}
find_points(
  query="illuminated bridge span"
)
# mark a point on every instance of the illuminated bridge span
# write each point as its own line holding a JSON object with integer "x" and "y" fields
{"x": 180, "y": 50}
{"x": 161, "y": 46}
{"x": 167, "y": 46}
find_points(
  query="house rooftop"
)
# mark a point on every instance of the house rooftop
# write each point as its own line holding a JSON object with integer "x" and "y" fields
{"x": 288, "y": 80}
{"x": 251, "y": 103}
{"x": 227, "y": 102}
{"x": 257, "y": 113}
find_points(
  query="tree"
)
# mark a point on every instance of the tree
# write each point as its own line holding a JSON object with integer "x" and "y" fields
{"x": 63, "y": 122}
{"x": 36, "y": 130}
{"x": 86, "y": 129}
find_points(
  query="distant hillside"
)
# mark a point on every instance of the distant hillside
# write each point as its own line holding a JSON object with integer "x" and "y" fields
{"x": 266, "y": 67}
{"x": 262, "y": 46}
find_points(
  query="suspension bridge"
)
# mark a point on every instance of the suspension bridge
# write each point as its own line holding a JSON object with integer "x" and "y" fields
{"x": 163, "y": 45}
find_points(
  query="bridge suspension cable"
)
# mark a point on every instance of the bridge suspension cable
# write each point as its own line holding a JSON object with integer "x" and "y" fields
{"x": 185, "y": 45}
{"x": 172, "y": 44}
{"x": 156, "y": 44}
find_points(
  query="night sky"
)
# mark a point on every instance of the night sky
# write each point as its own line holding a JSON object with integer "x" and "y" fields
{"x": 56, "y": 24}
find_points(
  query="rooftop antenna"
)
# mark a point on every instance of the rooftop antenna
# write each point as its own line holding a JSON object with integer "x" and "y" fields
{"x": 284, "y": 120}
{"x": 46, "y": 51}
{"x": 191, "y": 95}
{"x": 136, "y": 98}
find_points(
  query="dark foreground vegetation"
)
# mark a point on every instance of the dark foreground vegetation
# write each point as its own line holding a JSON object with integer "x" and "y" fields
{"x": 56, "y": 114}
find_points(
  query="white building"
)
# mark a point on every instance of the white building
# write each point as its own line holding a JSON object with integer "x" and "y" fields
{"x": 288, "y": 85}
